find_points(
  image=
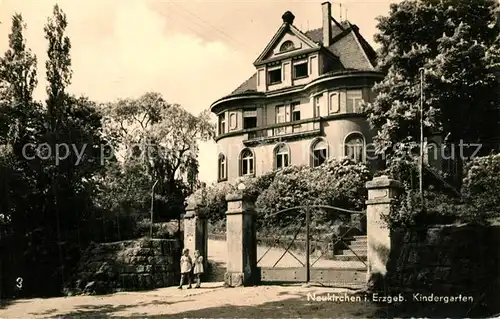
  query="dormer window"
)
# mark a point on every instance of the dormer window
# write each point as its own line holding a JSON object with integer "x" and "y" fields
{"x": 287, "y": 46}
{"x": 274, "y": 75}
{"x": 300, "y": 69}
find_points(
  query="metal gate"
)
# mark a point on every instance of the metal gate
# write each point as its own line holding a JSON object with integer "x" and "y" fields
{"x": 304, "y": 252}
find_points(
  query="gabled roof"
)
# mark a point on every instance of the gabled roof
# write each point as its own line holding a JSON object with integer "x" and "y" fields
{"x": 285, "y": 27}
{"x": 353, "y": 51}
{"x": 349, "y": 45}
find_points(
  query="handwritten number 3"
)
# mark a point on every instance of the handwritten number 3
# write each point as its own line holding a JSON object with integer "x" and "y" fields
{"x": 19, "y": 281}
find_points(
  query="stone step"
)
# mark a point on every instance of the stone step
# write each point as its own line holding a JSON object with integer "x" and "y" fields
{"x": 356, "y": 237}
{"x": 358, "y": 251}
{"x": 360, "y": 244}
{"x": 349, "y": 257}
{"x": 359, "y": 240}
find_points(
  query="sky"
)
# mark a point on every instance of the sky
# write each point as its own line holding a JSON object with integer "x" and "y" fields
{"x": 192, "y": 52}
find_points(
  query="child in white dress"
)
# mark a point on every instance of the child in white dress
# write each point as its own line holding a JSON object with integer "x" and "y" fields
{"x": 198, "y": 268}
{"x": 186, "y": 266}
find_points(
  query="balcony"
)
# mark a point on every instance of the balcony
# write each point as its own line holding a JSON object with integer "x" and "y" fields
{"x": 283, "y": 132}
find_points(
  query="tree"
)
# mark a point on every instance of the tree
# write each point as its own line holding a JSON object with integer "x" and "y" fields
{"x": 163, "y": 138}
{"x": 482, "y": 185}
{"x": 18, "y": 79}
{"x": 20, "y": 123}
{"x": 72, "y": 125}
{"x": 457, "y": 46}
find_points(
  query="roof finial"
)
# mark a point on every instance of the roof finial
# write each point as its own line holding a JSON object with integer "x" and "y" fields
{"x": 288, "y": 17}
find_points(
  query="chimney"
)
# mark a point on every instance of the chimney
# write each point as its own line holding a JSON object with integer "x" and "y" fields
{"x": 327, "y": 23}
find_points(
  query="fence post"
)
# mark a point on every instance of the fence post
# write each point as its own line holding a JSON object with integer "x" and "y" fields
{"x": 381, "y": 193}
{"x": 196, "y": 230}
{"x": 241, "y": 241}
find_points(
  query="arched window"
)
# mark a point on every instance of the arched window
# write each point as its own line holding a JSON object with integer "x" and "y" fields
{"x": 281, "y": 156}
{"x": 287, "y": 46}
{"x": 222, "y": 167}
{"x": 319, "y": 152}
{"x": 355, "y": 147}
{"x": 247, "y": 162}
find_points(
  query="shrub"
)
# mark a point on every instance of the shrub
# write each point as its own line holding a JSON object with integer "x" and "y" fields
{"x": 481, "y": 184}
{"x": 168, "y": 230}
{"x": 338, "y": 183}
{"x": 213, "y": 198}
{"x": 437, "y": 208}
{"x": 254, "y": 186}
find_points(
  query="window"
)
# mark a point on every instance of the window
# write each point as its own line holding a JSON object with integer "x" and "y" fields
{"x": 334, "y": 103}
{"x": 300, "y": 70}
{"x": 317, "y": 105}
{"x": 355, "y": 147}
{"x": 319, "y": 152}
{"x": 281, "y": 156}
{"x": 295, "y": 111}
{"x": 274, "y": 76}
{"x": 280, "y": 118}
{"x": 222, "y": 167}
{"x": 250, "y": 118}
{"x": 246, "y": 162}
{"x": 222, "y": 124}
{"x": 354, "y": 101}
{"x": 287, "y": 46}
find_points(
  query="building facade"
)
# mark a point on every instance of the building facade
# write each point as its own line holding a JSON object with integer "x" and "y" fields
{"x": 303, "y": 104}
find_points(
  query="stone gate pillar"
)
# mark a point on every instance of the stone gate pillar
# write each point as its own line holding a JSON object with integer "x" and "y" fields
{"x": 196, "y": 231}
{"x": 241, "y": 241}
{"x": 381, "y": 193}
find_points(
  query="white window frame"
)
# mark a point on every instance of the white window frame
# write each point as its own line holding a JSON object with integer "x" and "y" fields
{"x": 279, "y": 67}
{"x": 280, "y": 118}
{"x": 281, "y": 155}
{"x": 247, "y": 162}
{"x": 222, "y": 123}
{"x": 355, "y": 149}
{"x": 222, "y": 167}
{"x": 319, "y": 145}
{"x": 295, "y": 108}
{"x": 300, "y": 62}
{"x": 356, "y": 98}
{"x": 317, "y": 104}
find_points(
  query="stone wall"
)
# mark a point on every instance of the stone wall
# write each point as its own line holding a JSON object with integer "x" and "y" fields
{"x": 127, "y": 266}
{"x": 447, "y": 261}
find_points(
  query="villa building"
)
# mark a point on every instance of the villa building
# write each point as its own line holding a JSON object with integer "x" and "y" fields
{"x": 302, "y": 105}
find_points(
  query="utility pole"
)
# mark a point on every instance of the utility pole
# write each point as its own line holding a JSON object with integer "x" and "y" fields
{"x": 152, "y": 205}
{"x": 421, "y": 134}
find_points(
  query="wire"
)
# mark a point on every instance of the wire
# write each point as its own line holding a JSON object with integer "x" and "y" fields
{"x": 208, "y": 23}
{"x": 226, "y": 38}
